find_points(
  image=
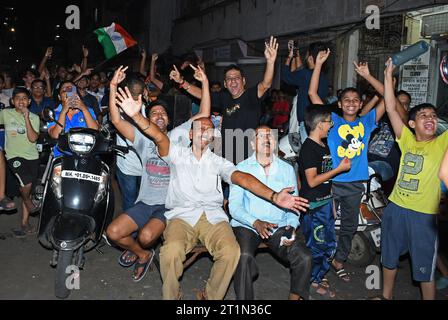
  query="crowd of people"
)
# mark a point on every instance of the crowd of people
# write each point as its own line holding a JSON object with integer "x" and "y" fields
{"x": 201, "y": 181}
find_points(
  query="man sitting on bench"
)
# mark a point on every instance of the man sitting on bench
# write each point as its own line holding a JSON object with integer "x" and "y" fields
{"x": 255, "y": 220}
{"x": 194, "y": 203}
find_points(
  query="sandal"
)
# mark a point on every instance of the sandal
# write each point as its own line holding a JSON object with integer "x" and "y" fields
{"x": 341, "y": 273}
{"x": 144, "y": 265}
{"x": 127, "y": 259}
{"x": 6, "y": 204}
{"x": 18, "y": 233}
{"x": 29, "y": 229}
{"x": 326, "y": 295}
{"x": 325, "y": 283}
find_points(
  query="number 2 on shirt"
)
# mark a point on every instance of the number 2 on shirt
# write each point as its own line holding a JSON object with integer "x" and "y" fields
{"x": 412, "y": 165}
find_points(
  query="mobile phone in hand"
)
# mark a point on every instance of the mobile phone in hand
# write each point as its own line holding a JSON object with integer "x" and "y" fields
{"x": 72, "y": 92}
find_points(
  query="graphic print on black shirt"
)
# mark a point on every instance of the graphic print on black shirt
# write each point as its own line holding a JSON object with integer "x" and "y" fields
{"x": 242, "y": 113}
{"x": 312, "y": 155}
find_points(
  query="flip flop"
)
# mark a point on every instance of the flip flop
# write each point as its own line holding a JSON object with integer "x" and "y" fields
{"x": 145, "y": 267}
{"x": 328, "y": 295}
{"x": 341, "y": 274}
{"x": 7, "y": 204}
{"x": 125, "y": 260}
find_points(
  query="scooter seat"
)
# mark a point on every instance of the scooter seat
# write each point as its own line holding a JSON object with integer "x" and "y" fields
{"x": 71, "y": 227}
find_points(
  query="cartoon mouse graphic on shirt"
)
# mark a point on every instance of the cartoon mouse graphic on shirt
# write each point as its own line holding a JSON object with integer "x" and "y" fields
{"x": 352, "y": 144}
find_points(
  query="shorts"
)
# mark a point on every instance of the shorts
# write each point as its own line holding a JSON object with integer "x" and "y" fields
{"x": 2, "y": 140}
{"x": 141, "y": 213}
{"x": 26, "y": 171}
{"x": 404, "y": 230}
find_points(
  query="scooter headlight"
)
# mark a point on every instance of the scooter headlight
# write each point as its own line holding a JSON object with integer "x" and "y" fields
{"x": 102, "y": 188}
{"x": 56, "y": 181}
{"x": 81, "y": 143}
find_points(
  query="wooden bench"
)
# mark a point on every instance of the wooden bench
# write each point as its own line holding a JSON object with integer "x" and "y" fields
{"x": 194, "y": 254}
{"x": 201, "y": 249}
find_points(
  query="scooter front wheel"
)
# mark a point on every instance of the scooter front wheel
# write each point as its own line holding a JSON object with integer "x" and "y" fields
{"x": 61, "y": 287}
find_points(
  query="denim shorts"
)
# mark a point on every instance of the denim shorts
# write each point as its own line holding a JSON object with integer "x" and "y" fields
{"x": 403, "y": 231}
{"x": 141, "y": 213}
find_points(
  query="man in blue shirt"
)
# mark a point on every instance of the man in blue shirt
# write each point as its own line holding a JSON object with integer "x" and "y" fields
{"x": 71, "y": 113}
{"x": 255, "y": 220}
{"x": 38, "y": 100}
{"x": 301, "y": 79}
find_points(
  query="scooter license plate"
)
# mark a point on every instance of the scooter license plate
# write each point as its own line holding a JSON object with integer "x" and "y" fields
{"x": 81, "y": 176}
{"x": 39, "y": 147}
{"x": 376, "y": 236}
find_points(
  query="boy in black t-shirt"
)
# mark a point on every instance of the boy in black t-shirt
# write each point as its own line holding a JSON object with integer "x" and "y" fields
{"x": 316, "y": 171}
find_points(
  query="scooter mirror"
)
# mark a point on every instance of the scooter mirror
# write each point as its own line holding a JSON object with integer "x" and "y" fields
{"x": 444, "y": 69}
{"x": 48, "y": 115}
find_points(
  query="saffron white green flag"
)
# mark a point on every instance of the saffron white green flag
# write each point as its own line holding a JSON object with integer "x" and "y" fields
{"x": 114, "y": 40}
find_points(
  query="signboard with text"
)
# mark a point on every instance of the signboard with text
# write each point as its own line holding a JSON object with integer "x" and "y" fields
{"x": 415, "y": 77}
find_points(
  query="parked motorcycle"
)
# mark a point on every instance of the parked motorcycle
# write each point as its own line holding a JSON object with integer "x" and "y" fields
{"x": 78, "y": 201}
{"x": 45, "y": 144}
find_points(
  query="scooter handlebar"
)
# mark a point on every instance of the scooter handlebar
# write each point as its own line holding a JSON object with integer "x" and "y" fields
{"x": 121, "y": 149}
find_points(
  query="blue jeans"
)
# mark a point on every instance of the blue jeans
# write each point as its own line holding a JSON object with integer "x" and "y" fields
{"x": 129, "y": 187}
{"x": 320, "y": 236}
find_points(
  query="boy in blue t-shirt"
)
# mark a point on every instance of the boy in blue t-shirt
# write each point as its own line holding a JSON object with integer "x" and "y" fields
{"x": 349, "y": 138}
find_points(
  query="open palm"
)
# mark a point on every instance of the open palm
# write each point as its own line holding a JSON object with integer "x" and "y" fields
{"x": 271, "y": 50}
{"x": 130, "y": 106}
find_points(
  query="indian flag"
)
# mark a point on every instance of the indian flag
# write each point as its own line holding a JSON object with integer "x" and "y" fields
{"x": 114, "y": 40}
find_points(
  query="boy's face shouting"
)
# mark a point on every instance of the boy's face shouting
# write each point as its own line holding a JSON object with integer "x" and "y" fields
{"x": 425, "y": 124}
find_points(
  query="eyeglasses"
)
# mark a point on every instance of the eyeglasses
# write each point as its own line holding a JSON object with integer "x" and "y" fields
{"x": 38, "y": 87}
{"x": 330, "y": 122}
{"x": 233, "y": 79}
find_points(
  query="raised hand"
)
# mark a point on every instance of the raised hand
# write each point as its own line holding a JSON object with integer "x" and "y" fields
{"x": 287, "y": 201}
{"x": 85, "y": 52}
{"x": 199, "y": 73}
{"x": 270, "y": 52}
{"x": 49, "y": 52}
{"x": 322, "y": 56}
{"x": 175, "y": 75}
{"x": 119, "y": 76}
{"x": 390, "y": 68}
{"x": 154, "y": 57}
{"x": 127, "y": 103}
{"x": 362, "y": 69}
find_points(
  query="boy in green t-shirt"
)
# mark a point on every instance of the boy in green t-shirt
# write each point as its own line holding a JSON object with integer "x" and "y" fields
{"x": 409, "y": 222}
{"x": 22, "y": 129}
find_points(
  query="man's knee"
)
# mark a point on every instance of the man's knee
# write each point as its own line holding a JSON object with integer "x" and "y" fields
{"x": 300, "y": 257}
{"x": 172, "y": 250}
{"x": 147, "y": 236}
{"x": 229, "y": 251}
{"x": 113, "y": 232}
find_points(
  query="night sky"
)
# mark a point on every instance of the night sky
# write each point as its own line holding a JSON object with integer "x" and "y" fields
{"x": 36, "y": 27}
